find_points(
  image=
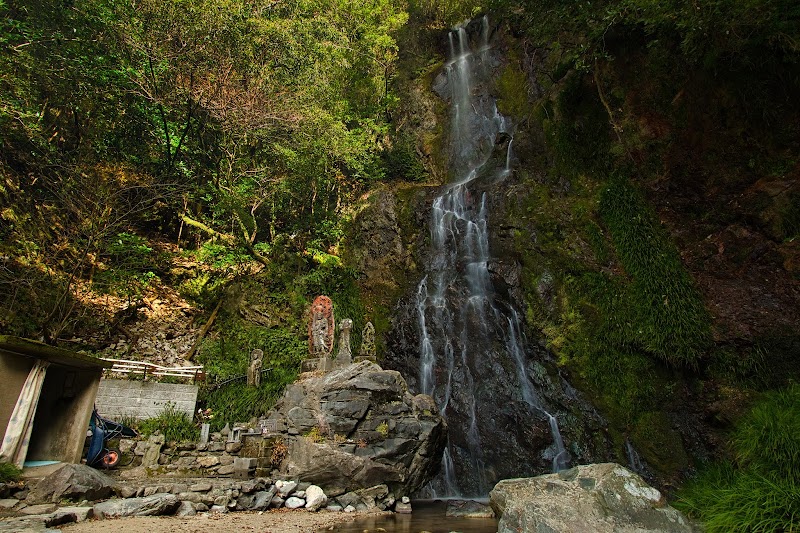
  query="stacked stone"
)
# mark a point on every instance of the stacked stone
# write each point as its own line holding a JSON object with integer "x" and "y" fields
{"x": 217, "y": 458}
{"x": 39, "y": 508}
{"x": 260, "y": 494}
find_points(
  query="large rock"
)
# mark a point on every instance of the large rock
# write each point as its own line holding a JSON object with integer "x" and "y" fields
{"x": 262, "y": 499}
{"x": 315, "y": 498}
{"x": 157, "y": 504}
{"x": 375, "y": 431}
{"x": 72, "y": 482}
{"x": 602, "y": 498}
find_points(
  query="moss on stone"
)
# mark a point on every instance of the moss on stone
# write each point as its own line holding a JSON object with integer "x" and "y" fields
{"x": 658, "y": 443}
{"x": 512, "y": 89}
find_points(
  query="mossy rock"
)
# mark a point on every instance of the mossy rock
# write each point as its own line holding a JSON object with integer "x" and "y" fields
{"x": 659, "y": 444}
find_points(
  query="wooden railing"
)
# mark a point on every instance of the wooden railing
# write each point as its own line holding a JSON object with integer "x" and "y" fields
{"x": 124, "y": 366}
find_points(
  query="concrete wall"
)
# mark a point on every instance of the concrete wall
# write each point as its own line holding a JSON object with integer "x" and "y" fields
{"x": 62, "y": 416}
{"x": 117, "y": 398}
{"x": 14, "y": 370}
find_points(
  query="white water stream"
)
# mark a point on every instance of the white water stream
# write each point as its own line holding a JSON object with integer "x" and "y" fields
{"x": 458, "y": 317}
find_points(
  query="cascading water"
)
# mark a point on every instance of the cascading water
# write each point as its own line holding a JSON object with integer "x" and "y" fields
{"x": 461, "y": 321}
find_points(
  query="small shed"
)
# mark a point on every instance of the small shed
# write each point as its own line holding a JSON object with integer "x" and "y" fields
{"x": 46, "y": 400}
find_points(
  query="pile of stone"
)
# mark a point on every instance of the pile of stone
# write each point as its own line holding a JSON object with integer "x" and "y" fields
{"x": 99, "y": 496}
{"x": 215, "y": 458}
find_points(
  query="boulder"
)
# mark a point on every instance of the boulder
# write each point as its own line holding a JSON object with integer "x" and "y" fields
{"x": 262, "y": 499}
{"x": 276, "y": 502}
{"x": 8, "y": 503}
{"x": 126, "y": 491}
{"x": 293, "y": 502}
{"x": 42, "y": 508}
{"x": 315, "y": 498}
{"x": 602, "y": 498}
{"x": 72, "y": 482}
{"x": 157, "y": 504}
{"x": 285, "y": 488}
{"x": 375, "y": 431}
{"x": 28, "y": 524}
{"x": 186, "y": 509}
{"x": 203, "y": 486}
{"x": 66, "y": 515}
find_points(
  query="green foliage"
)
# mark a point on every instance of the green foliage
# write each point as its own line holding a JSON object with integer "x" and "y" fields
{"x": 729, "y": 500}
{"x": 512, "y": 87}
{"x": 203, "y": 289}
{"x": 173, "y": 424}
{"x": 767, "y": 439}
{"x": 577, "y": 128}
{"x": 237, "y": 402}
{"x": 9, "y": 472}
{"x": 668, "y": 318}
{"x": 219, "y": 255}
{"x": 383, "y": 429}
{"x": 402, "y": 161}
{"x": 131, "y": 264}
{"x": 716, "y": 31}
{"x": 258, "y": 121}
{"x": 444, "y": 13}
{"x": 315, "y": 435}
{"x": 228, "y": 356}
{"x": 745, "y": 367}
{"x": 760, "y": 491}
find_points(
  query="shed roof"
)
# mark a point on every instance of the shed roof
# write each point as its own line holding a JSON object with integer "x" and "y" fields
{"x": 58, "y": 356}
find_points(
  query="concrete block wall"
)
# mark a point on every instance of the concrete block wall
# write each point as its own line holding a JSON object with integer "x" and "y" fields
{"x": 117, "y": 398}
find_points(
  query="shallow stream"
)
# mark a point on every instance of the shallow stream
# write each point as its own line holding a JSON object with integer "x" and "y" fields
{"x": 428, "y": 515}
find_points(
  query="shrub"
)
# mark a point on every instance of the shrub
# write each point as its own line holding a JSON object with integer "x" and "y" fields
{"x": 237, "y": 402}
{"x": 768, "y": 438}
{"x": 760, "y": 491}
{"x": 9, "y": 472}
{"x": 728, "y": 500}
{"x": 173, "y": 424}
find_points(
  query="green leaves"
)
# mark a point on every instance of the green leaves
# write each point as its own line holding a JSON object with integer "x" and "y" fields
{"x": 760, "y": 491}
{"x": 667, "y": 316}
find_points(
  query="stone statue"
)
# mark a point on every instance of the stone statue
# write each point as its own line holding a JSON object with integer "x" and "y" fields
{"x": 254, "y": 370}
{"x": 367, "y": 341}
{"x": 344, "y": 356}
{"x": 320, "y": 327}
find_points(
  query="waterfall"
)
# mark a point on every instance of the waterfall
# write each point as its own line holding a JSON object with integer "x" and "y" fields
{"x": 515, "y": 348}
{"x": 460, "y": 319}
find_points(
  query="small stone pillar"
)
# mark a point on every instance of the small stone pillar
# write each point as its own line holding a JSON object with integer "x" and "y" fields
{"x": 254, "y": 370}
{"x": 205, "y": 430}
{"x": 344, "y": 356}
{"x": 153, "y": 450}
{"x": 367, "y": 341}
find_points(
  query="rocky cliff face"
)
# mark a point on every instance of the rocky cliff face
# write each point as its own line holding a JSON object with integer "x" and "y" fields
{"x": 521, "y": 438}
{"x": 459, "y": 333}
{"x": 357, "y": 427}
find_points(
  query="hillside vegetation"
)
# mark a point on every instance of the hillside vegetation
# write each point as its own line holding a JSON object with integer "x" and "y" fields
{"x": 213, "y": 155}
